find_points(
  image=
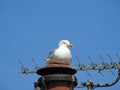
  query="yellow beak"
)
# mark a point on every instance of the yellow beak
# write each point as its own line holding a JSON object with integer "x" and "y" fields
{"x": 69, "y": 45}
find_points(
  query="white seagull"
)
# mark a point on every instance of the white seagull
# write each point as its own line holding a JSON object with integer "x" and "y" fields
{"x": 62, "y": 52}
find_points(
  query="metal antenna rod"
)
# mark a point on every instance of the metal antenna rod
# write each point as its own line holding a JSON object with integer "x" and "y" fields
{"x": 80, "y": 65}
{"x": 111, "y": 62}
{"x": 91, "y": 59}
{"x": 34, "y": 62}
{"x": 101, "y": 58}
{"x": 36, "y": 66}
{"x": 78, "y": 59}
{"x": 110, "y": 57}
{"x": 93, "y": 65}
{"x": 118, "y": 56}
{"x": 79, "y": 62}
{"x": 99, "y": 71}
{"x": 88, "y": 73}
{"x": 112, "y": 72}
{"x": 21, "y": 63}
{"x": 24, "y": 70}
{"x": 106, "y": 63}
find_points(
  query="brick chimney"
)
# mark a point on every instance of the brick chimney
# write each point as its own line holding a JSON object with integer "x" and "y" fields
{"x": 56, "y": 75}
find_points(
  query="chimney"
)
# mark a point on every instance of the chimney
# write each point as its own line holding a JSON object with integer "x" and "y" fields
{"x": 56, "y": 75}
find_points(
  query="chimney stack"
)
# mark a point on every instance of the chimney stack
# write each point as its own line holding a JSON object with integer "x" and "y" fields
{"x": 56, "y": 75}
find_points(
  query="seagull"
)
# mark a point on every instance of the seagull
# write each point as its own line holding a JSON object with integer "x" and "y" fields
{"x": 62, "y": 52}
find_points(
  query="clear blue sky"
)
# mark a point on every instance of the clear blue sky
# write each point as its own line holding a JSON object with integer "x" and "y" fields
{"x": 31, "y": 28}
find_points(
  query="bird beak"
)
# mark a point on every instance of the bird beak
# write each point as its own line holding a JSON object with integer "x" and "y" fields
{"x": 69, "y": 45}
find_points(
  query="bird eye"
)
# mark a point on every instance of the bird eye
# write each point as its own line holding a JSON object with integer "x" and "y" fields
{"x": 64, "y": 42}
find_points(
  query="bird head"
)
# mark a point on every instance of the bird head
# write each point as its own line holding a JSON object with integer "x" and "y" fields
{"x": 65, "y": 43}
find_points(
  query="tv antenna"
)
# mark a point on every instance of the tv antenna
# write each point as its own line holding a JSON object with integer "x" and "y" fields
{"x": 90, "y": 85}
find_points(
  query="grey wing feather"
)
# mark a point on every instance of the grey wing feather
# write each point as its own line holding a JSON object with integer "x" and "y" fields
{"x": 51, "y": 54}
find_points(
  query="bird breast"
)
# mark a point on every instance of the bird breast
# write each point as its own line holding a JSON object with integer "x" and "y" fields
{"x": 63, "y": 53}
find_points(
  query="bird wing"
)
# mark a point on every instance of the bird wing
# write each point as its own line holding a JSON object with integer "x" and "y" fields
{"x": 51, "y": 54}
